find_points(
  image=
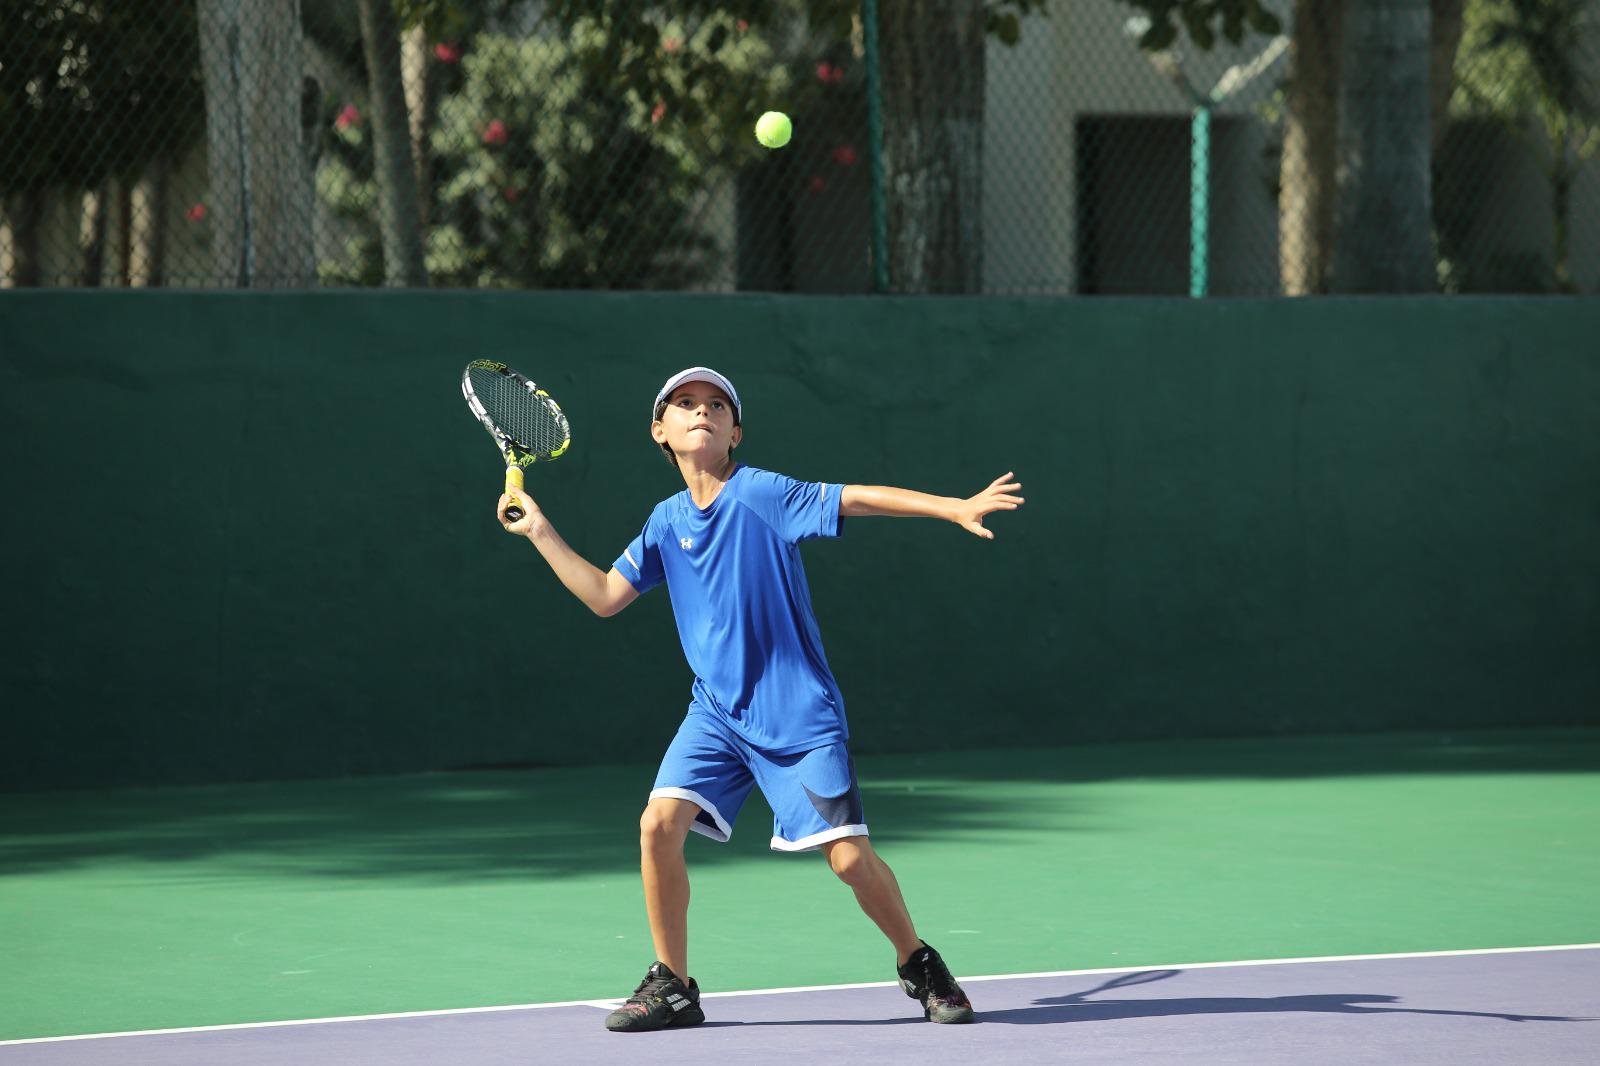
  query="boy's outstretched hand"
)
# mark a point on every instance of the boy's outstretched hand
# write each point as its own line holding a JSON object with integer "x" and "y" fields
{"x": 999, "y": 496}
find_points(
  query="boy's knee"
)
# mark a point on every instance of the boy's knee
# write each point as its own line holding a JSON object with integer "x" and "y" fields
{"x": 660, "y": 828}
{"x": 666, "y": 823}
{"x": 853, "y": 864}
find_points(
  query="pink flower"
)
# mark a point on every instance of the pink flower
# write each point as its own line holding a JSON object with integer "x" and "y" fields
{"x": 837, "y": 76}
{"x": 824, "y": 73}
{"x": 447, "y": 52}
{"x": 742, "y": 25}
{"x": 511, "y": 194}
{"x": 495, "y": 133}
{"x": 658, "y": 112}
{"x": 671, "y": 44}
{"x": 348, "y": 117}
{"x": 197, "y": 213}
{"x": 845, "y": 155}
{"x": 817, "y": 184}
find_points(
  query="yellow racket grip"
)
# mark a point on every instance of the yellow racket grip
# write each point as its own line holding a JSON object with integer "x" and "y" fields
{"x": 513, "y": 513}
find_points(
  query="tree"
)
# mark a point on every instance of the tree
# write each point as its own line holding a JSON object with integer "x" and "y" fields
{"x": 1308, "y": 171}
{"x": 1308, "y": 186}
{"x": 1526, "y": 66}
{"x": 1385, "y": 239}
{"x": 258, "y": 149}
{"x": 933, "y": 66}
{"x": 669, "y": 90}
{"x": 91, "y": 96}
{"x": 399, "y": 208}
{"x": 547, "y": 168}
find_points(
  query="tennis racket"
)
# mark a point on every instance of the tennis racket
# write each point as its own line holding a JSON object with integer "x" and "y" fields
{"x": 526, "y": 424}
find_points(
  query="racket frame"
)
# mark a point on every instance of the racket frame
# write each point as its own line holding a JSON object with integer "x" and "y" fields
{"x": 516, "y": 455}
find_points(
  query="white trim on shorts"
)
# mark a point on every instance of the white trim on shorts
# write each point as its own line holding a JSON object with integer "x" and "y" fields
{"x": 723, "y": 830}
{"x": 816, "y": 840}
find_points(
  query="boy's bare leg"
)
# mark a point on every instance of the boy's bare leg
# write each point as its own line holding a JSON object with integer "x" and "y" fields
{"x": 662, "y": 830}
{"x": 876, "y": 889}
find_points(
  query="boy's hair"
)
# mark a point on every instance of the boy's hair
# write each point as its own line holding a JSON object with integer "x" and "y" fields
{"x": 661, "y": 409}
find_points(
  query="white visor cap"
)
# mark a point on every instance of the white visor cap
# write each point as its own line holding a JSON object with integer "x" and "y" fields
{"x": 699, "y": 373}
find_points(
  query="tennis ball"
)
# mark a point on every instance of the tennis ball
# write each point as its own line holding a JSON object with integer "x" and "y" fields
{"x": 773, "y": 129}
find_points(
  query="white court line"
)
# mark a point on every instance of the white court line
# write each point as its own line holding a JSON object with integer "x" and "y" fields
{"x": 607, "y": 1004}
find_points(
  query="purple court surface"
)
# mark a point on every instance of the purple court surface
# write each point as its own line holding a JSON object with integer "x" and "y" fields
{"x": 1536, "y": 1007}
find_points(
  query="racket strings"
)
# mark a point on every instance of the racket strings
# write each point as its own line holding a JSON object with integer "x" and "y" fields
{"x": 530, "y": 421}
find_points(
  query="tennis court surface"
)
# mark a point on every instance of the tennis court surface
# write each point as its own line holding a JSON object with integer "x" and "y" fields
{"x": 1404, "y": 898}
{"x": 1538, "y": 1006}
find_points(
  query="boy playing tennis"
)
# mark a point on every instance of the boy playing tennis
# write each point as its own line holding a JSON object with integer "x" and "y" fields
{"x": 765, "y": 708}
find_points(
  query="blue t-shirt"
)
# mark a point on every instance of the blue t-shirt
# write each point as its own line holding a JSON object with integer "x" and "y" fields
{"x": 743, "y": 608}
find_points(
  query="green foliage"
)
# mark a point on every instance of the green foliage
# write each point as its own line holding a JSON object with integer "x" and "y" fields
{"x": 614, "y": 118}
{"x": 1200, "y": 18}
{"x": 1526, "y": 58}
{"x": 1525, "y": 61}
{"x": 89, "y": 90}
{"x": 557, "y": 174}
{"x": 552, "y": 171}
{"x": 1002, "y": 19}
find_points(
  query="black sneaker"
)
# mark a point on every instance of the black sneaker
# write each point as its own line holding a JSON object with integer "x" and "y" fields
{"x": 660, "y": 1001}
{"x": 926, "y": 978}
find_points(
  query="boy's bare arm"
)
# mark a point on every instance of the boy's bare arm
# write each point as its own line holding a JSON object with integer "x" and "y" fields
{"x": 603, "y": 593}
{"x": 907, "y": 503}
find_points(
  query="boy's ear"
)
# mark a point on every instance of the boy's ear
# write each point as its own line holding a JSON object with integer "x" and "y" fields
{"x": 658, "y": 432}
{"x": 738, "y": 435}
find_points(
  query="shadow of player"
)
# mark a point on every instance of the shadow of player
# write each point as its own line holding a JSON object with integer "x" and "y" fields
{"x": 1078, "y": 1007}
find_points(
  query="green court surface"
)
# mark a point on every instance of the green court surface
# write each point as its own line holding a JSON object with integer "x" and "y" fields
{"x": 156, "y": 908}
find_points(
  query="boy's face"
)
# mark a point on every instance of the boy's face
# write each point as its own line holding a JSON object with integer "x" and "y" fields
{"x": 697, "y": 422}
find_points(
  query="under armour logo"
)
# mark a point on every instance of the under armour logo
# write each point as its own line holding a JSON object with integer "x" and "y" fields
{"x": 686, "y": 543}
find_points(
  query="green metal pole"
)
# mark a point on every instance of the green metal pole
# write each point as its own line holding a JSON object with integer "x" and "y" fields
{"x": 880, "y": 223}
{"x": 1199, "y": 198}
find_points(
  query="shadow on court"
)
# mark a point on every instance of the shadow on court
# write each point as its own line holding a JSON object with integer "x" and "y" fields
{"x": 1078, "y": 1007}
{"x": 560, "y": 822}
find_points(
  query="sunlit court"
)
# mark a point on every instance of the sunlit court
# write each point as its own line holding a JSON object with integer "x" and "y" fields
{"x": 587, "y": 531}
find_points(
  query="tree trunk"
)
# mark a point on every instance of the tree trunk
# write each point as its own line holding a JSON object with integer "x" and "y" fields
{"x": 1385, "y": 241}
{"x": 148, "y": 257}
{"x": 399, "y": 213}
{"x": 26, "y": 215}
{"x": 261, "y": 194}
{"x": 1308, "y": 176}
{"x": 124, "y": 245}
{"x": 933, "y": 92}
{"x": 422, "y": 107}
{"x": 1564, "y": 167}
{"x": 96, "y": 207}
{"x": 1446, "y": 41}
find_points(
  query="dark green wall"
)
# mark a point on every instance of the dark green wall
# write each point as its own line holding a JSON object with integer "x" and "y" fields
{"x": 251, "y": 535}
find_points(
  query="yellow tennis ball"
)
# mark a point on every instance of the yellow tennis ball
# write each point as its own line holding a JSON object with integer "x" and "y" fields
{"x": 773, "y": 129}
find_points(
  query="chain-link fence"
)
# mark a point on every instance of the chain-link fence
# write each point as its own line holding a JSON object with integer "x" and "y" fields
{"x": 1003, "y": 146}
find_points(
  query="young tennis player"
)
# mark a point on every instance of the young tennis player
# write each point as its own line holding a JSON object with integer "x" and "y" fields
{"x": 764, "y": 709}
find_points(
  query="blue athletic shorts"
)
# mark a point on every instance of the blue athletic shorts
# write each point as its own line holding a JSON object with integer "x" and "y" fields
{"x": 813, "y": 794}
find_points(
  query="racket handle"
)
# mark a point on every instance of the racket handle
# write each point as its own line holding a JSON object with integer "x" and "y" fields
{"x": 513, "y": 513}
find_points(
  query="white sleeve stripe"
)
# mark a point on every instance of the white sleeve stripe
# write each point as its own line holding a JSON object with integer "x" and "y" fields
{"x": 628, "y": 555}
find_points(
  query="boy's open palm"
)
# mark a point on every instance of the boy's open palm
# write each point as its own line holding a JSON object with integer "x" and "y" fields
{"x": 999, "y": 496}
